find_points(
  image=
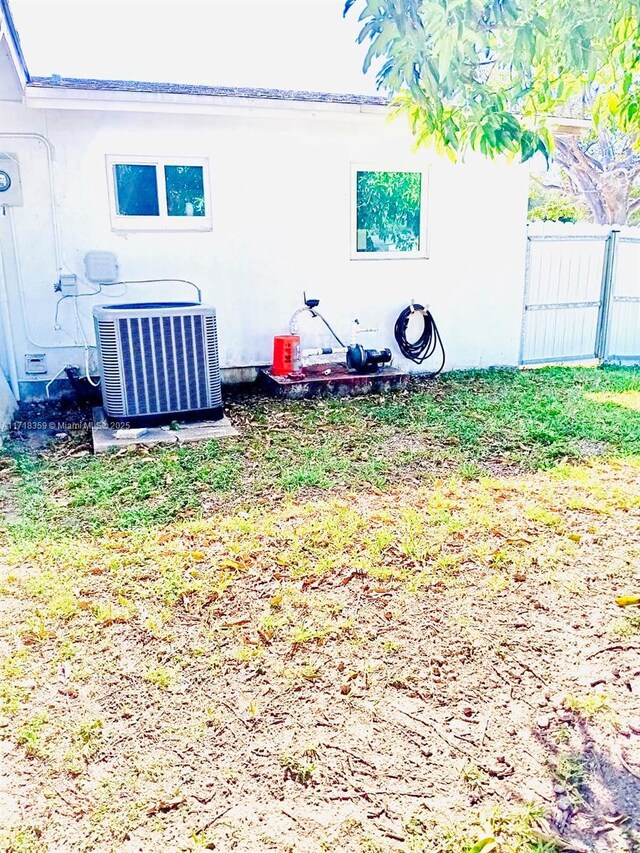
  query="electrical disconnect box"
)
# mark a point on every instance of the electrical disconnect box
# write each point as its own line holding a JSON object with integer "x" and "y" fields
{"x": 101, "y": 267}
{"x": 68, "y": 285}
{"x": 10, "y": 186}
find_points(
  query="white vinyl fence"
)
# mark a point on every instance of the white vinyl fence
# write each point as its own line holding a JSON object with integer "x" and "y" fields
{"x": 623, "y": 338}
{"x": 582, "y": 295}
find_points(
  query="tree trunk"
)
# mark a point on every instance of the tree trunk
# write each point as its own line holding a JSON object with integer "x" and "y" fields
{"x": 605, "y": 187}
{"x": 615, "y": 189}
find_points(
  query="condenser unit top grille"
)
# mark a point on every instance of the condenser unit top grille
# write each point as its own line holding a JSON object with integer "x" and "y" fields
{"x": 158, "y": 359}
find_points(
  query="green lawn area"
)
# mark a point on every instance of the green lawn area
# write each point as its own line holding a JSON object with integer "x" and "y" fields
{"x": 369, "y": 625}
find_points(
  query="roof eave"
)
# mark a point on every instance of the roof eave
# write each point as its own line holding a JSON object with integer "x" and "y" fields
{"x": 69, "y": 87}
{"x": 10, "y": 32}
{"x": 57, "y": 96}
{"x": 123, "y": 95}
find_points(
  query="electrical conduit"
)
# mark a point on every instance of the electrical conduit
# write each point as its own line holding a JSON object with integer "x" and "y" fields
{"x": 5, "y": 319}
{"x": 56, "y": 239}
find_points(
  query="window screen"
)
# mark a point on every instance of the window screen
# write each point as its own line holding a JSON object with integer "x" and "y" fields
{"x": 136, "y": 190}
{"x": 388, "y": 211}
{"x": 185, "y": 190}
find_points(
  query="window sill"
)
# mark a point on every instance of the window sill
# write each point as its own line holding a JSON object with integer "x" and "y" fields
{"x": 389, "y": 256}
{"x": 125, "y": 225}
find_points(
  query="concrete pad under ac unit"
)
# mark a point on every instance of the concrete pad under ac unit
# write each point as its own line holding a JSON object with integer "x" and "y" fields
{"x": 108, "y": 438}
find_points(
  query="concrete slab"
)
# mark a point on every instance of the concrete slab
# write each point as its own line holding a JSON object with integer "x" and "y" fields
{"x": 334, "y": 380}
{"x": 106, "y": 438}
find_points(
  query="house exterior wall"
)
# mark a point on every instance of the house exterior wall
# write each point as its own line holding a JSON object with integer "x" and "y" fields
{"x": 281, "y": 203}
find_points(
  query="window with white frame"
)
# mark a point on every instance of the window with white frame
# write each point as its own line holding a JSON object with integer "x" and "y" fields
{"x": 388, "y": 213}
{"x": 159, "y": 194}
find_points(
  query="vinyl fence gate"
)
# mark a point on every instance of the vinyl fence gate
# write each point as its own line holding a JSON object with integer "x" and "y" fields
{"x": 582, "y": 298}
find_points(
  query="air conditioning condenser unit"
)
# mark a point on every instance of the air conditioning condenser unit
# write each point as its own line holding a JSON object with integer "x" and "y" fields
{"x": 158, "y": 362}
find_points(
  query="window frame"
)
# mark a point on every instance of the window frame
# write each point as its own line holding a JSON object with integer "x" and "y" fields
{"x": 421, "y": 253}
{"x": 162, "y": 222}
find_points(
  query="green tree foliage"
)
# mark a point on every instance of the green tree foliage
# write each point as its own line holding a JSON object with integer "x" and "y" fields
{"x": 549, "y": 205}
{"x": 486, "y": 74}
{"x": 388, "y": 208}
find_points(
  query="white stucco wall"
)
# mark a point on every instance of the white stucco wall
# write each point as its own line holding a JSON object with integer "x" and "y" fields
{"x": 280, "y": 190}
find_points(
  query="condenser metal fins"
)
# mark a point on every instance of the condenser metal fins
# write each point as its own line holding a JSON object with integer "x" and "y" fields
{"x": 158, "y": 362}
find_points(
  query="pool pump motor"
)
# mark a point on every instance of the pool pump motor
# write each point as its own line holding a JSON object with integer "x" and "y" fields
{"x": 363, "y": 360}
{"x": 359, "y": 359}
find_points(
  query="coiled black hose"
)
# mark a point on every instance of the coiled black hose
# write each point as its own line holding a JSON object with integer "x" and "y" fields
{"x": 426, "y": 345}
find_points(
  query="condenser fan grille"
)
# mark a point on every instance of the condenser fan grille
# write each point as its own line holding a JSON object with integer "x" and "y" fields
{"x": 159, "y": 361}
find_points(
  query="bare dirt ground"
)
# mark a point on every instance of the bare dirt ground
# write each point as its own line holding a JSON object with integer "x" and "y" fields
{"x": 360, "y": 708}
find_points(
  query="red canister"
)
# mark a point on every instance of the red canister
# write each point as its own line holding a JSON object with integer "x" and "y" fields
{"x": 285, "y": 351}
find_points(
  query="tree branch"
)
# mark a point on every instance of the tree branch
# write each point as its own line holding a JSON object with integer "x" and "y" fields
{"x": 635, "y": 205}
{"x": 561, "y": 188}
{"x": 557, "y": 187}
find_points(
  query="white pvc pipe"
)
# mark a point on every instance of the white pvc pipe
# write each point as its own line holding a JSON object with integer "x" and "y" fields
{"x": 21, "y": 293}
{"x": 47, "y": 387}
{"x": 80, "y": 327}
{"x": 293, "y": 322}
{"x": 5, "y": 319}
{"x": 308, "y": 353}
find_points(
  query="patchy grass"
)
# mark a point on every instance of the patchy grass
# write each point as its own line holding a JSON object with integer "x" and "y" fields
{"x": 469, "y": 424}
{"x": 627, "y": 626}
{"x": 571, "y": 774}
{"x": 589, "y": 706}
{"x": 514, "y": 830}
{"x": 378, "y": 624}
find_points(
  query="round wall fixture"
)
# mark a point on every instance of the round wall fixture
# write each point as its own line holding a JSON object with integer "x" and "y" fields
{"x": 5, "y": 181}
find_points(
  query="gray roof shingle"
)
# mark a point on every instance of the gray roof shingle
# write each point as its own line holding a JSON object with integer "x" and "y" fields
{"x": 56, "y": 82}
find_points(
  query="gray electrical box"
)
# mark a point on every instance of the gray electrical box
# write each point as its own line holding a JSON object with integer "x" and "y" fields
{"x": 10, "y": 186}
{"x": 68, "y": 284}
{"x": 35, "y": 363}
{"x": 101, "y": 267}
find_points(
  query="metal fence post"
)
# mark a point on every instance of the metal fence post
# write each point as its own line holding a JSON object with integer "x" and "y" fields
{"x": 606, "y": 293}
{"x": 527, "y": 281}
